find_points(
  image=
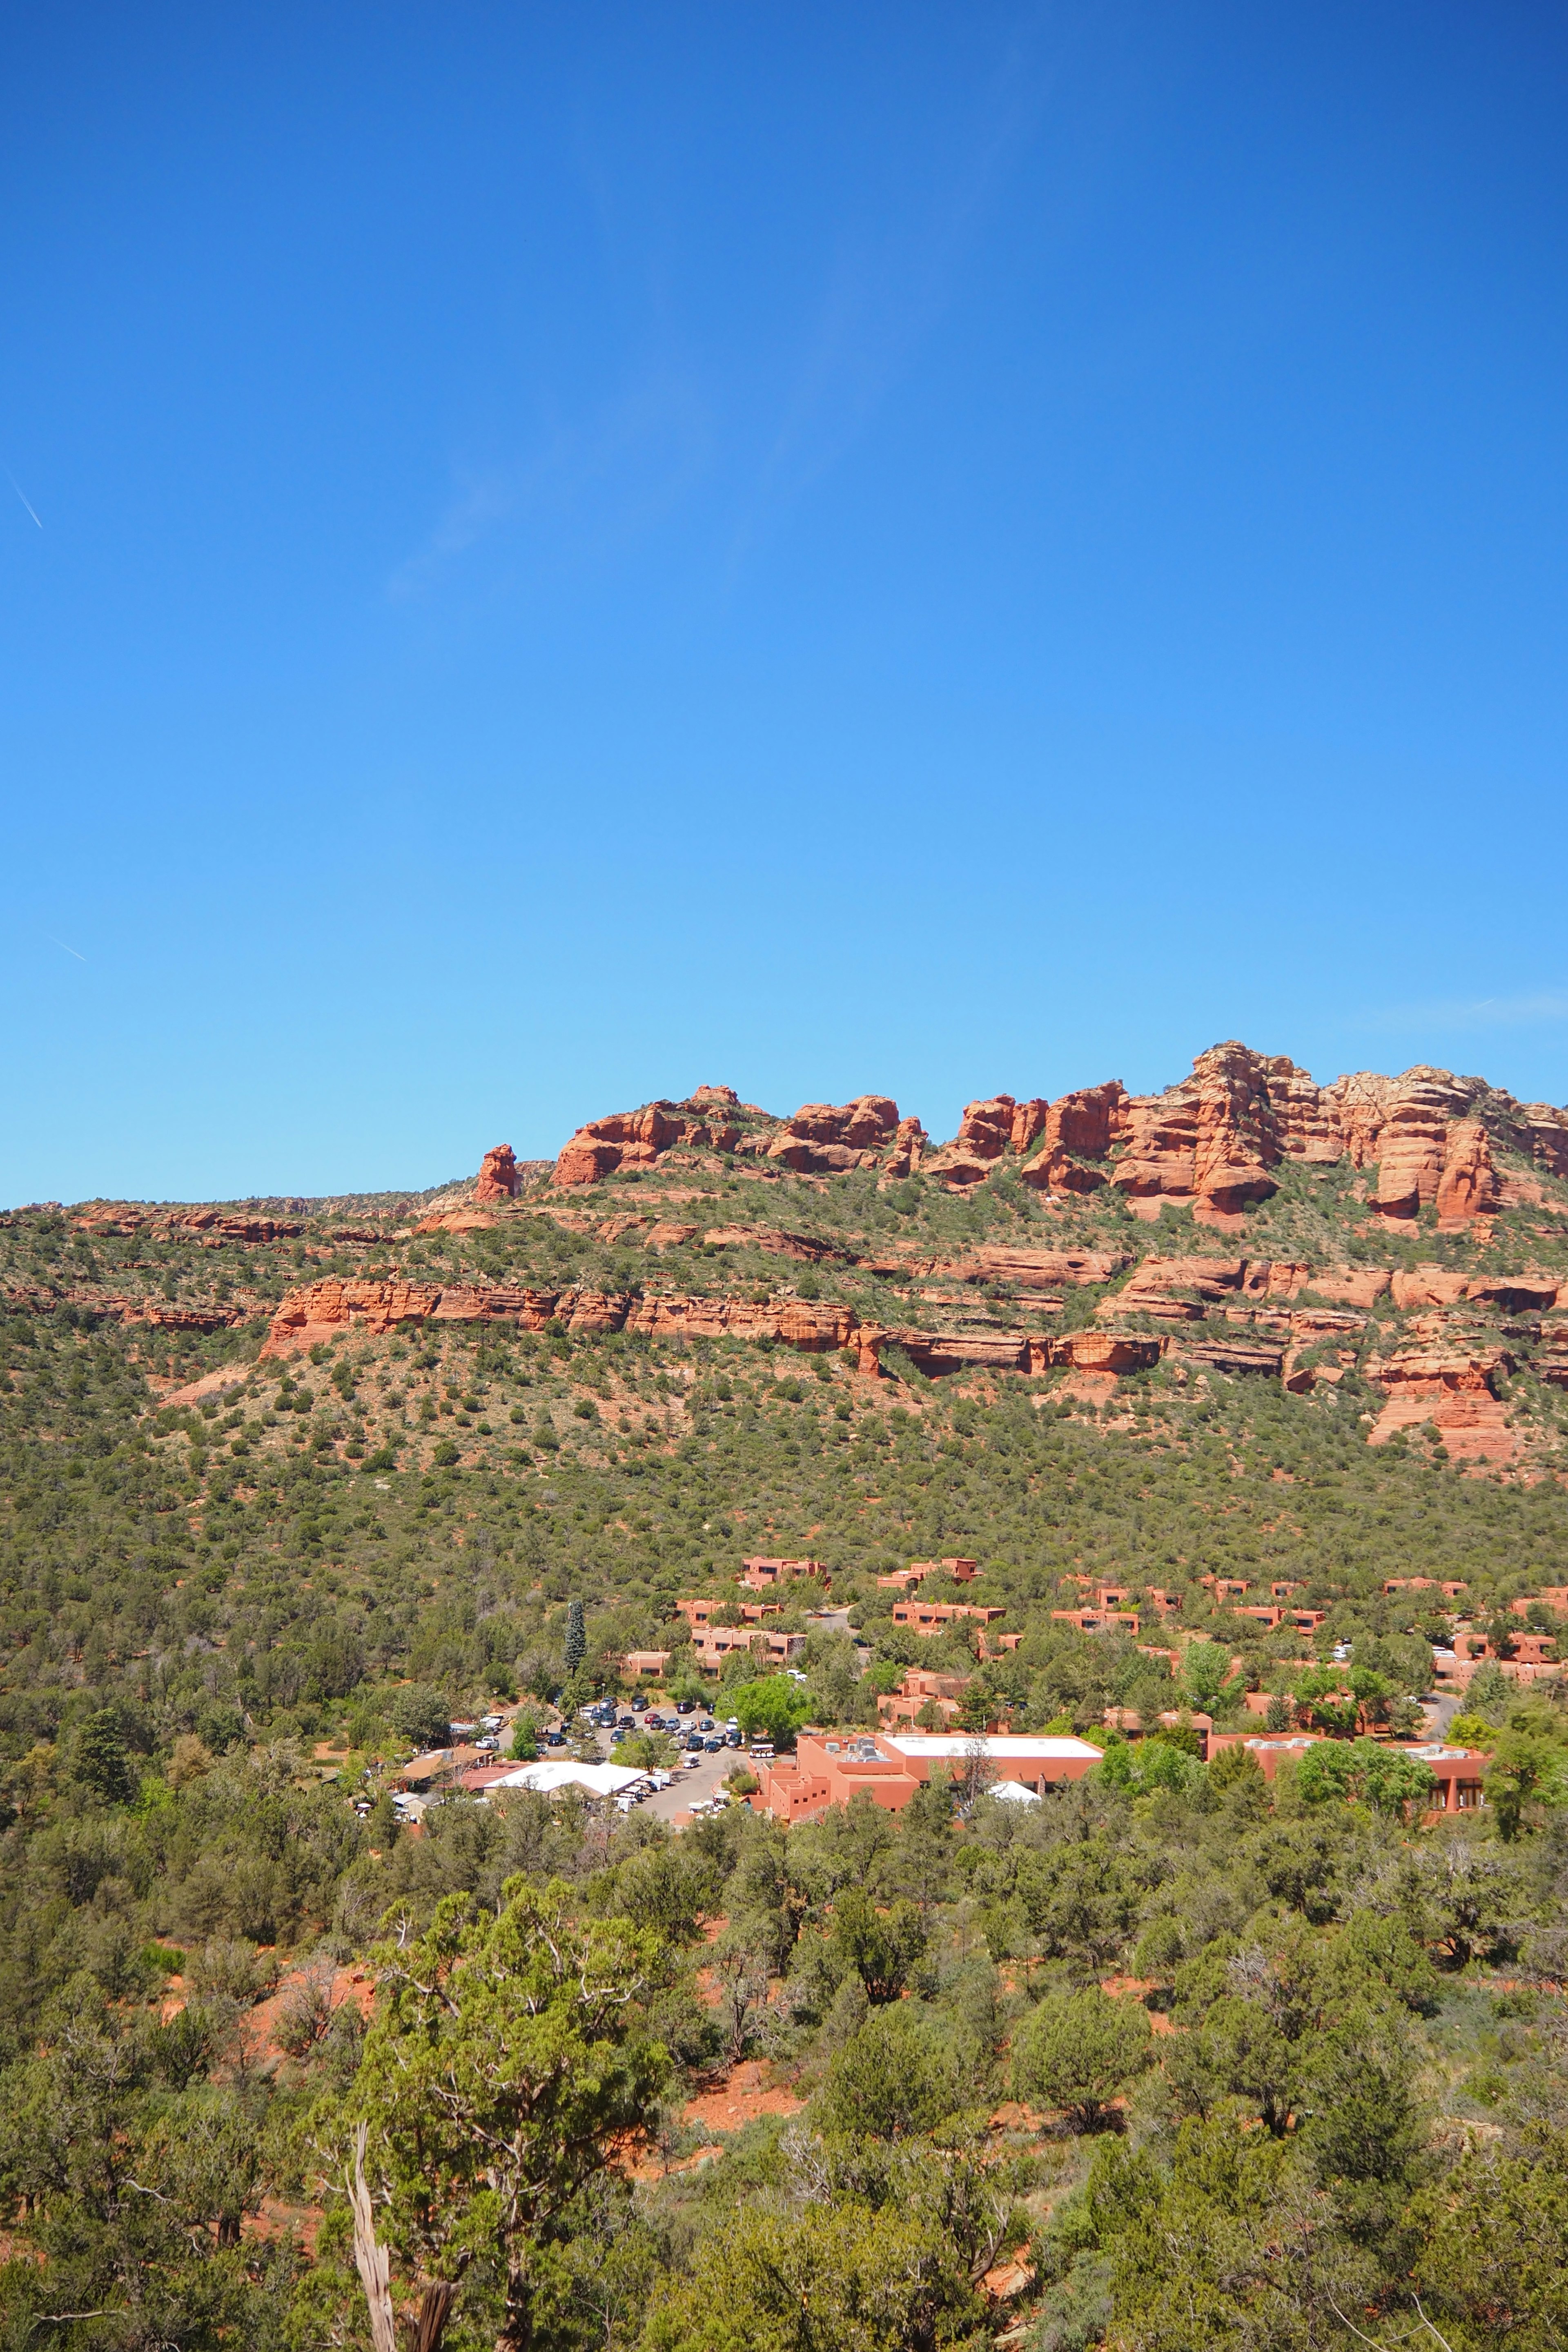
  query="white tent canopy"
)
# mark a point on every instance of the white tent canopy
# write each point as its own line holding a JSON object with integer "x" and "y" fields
{"x": 598, "y": 1779}
{"x": 1013, "y": 1793}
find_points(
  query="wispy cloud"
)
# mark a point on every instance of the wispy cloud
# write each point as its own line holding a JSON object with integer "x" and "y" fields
{"x": 1525, "y": 1011}
{"x": 881, "y": 298}
{"x": 584, "y": 487}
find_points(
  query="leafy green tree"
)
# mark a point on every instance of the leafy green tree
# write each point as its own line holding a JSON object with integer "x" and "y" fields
{"x": 420, "y": 1715}
{"x": 882, "y": 1947}
{"x": 1239, "y": 2053}
{"x": 102, "y": 1760}
{"x": 842, "y": 2277}
{"x": 1322, "y": 1696}
{"x": 1076, "y": 2051}
{"x": 774, "y": 1707}
{"x": 897, "y": 2075}
{"x": 1366, "y": 1773}
{"x": 506, "y": 2064}
{"x": 129, "y": 2205}
{"x": 1081, "y": 1900}
{"x": 1494, "y": 2239}
{"x": 1205, "y": 1671}
{"x": 1528, "y": 1777}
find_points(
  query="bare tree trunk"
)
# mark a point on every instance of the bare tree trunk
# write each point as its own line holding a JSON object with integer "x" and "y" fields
{"x": 370, "y": 2258}
{"x": 434, "y": 2305}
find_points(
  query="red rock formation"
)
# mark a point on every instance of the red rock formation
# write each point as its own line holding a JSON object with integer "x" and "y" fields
{"x": 1116, "y": 1352}
{"x": 1350, "y": 1285}
{"x": 1457, "y": 1394}
{"x": 908, "y": 1148}
{"x": 1038, "y": 1269}
{"x": 1213, "y": 1140}
{"x": 498, "y": 1175}
{"x": 986, "y": 1130}
{"x": 586, "y": 1158}
{"x": 1468, "y": 1186}
{"x": 1053, "y": 1172}
{"x": 1427, "y": 1285}
{"x": 1029, "y": 1122}
{"x": 825, "y": 1139}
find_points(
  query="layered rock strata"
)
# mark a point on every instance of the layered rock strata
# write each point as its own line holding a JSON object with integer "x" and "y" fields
{"x": 1215, "y": 1141}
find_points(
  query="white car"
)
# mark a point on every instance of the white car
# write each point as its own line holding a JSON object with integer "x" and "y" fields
{"x": 690, "y": 1763}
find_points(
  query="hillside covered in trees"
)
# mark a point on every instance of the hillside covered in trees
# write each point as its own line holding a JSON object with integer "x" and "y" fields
{"x": 1182, "y": 2056}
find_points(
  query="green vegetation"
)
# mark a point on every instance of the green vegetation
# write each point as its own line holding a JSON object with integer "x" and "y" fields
{"x": 226, "y": 1615}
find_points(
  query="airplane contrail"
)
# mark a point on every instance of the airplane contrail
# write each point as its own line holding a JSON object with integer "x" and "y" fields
{"x": 49, "y": 935}
{"x": 16, "y": 485}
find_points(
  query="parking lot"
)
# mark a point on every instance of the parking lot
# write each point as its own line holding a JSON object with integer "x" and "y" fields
{"x": 686, "y": 1787}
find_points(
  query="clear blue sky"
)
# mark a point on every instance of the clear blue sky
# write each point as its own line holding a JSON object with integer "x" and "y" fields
{"x": 825, "y": 547}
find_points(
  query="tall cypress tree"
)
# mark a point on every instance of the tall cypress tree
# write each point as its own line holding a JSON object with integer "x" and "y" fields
{"x": 576, "y": 1637}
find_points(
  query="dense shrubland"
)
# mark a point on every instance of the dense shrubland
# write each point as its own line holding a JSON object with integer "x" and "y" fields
{"x": 220, "y": 1621}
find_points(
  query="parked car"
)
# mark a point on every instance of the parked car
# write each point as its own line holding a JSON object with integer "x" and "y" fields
{"x": 705, "y": 1723}
{"x": 617, "y": 1735}
{"x": 714, "y": 1746}
{"x": 690, "y": 1763}
{"x": 762, "y": 1751}
{"x": 694, "y": 1739}
{"x": 556, "y": 1739}
{"x": 684, "y": 1705}
{"x": 733, "y": 1736}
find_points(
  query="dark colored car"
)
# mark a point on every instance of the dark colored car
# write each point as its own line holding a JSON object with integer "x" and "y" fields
{"x": 694, "y": 1741}
{"x": 731, "y": 1740}
{"x": 705, "y": 1723}
{"x": 618, "y": 1734}
{"x": 714, "y": 1746}
{"x": 556, "y": 1739}
{"x": 627, "y": 1722}
{"x": 684, "y": 1705}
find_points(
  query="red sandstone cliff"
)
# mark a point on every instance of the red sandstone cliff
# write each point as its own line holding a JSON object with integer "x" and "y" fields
{"x": 1215, "y": 1140}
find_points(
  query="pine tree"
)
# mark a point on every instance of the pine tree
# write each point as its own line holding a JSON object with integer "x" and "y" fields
{"x": 576, "y": 1638}
{"x": 101, "y": 1760}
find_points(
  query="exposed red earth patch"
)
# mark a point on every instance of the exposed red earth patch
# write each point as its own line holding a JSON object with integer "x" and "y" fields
{"x": 744, "y": 2096}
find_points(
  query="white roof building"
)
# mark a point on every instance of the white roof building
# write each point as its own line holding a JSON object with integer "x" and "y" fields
{"x": 996, "y": 1746}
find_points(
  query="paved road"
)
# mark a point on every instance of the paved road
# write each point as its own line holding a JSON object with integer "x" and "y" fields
{"x": 1440, "y": 1713}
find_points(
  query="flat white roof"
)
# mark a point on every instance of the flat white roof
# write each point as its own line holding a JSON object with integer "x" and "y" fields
{"x": 999, "y": 1746}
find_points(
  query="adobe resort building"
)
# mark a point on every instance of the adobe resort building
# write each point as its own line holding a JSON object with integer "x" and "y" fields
{"x": 830, "y": 1768}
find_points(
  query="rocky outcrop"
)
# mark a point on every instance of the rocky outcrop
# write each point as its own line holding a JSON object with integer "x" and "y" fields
{"x": 1457, "y": 1394}
{"x": 827, "y": 1138}
{"x": 1038, "y": 1269}
{"x": 1215, "y": 1140}
{"x": 499, "y": 1178}
{"x": 1468, "y": 1186}
{"x": 1426, "y": 1285}
{"x": 1116, "y": 1352}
